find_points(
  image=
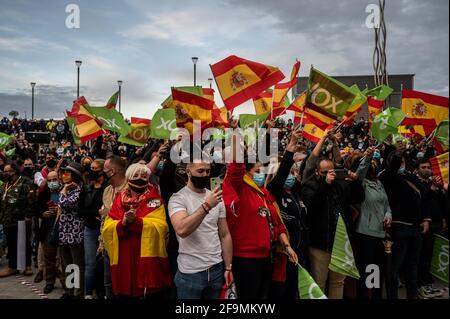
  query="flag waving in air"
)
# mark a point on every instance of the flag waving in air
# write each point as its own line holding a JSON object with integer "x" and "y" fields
{"x": 263, "y": 102}
{"x": 111, "y": 104}
{"x": 424, "y": 109}
{"x": 281, "y": 90}
{"x": 240, "y": 80}
{"x": 387, "y": 122}
{"x": 111, "y": 119}
{"x": 87, "y": 126}
{"x": 307, "y": 287}
{"x": 439, "y": 166}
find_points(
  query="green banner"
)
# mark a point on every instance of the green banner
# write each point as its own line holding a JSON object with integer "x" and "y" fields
{"x": 11, "y": 152}
{"x": 380, "y": 93}
{"x": 138, "y": 136}
{"x": 111, "y": 119}
{"x": 342, "y": 258}
{"x": 307, "y": 287}
{"x": 73, "y": 129}
{"x": 442, "y": 134}
{"x": 5, "y": 139}
{"x": 329, "y": 94}
{"x": 387, "y": 122}
{"x": 163, "y": 123}
{"x": 252, "y": 120}
{"x": 439, "y": 262}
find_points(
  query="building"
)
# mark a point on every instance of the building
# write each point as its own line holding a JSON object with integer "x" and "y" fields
{"x": 396, "y": 82}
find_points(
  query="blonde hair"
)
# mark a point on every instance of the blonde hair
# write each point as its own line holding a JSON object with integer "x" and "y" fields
{"x": 136, "y": 169}
{"x": 100, "y": 162}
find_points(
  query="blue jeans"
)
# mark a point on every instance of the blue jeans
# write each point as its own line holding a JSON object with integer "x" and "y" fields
{"x": 90, "y": 254}
{"x": 202, "y": 285}
{"x": 405, "y": 252}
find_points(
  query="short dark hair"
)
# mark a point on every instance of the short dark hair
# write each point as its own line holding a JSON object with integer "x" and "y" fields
{"x": 118, "y": 162}
{"x": 422, "y": 161}
{"x": 14, "y": 166}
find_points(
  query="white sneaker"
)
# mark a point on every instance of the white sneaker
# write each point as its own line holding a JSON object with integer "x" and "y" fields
{"x": 88, "y": 297}
{"x": 424, "y": 293}
{"x": 434, "y": 291}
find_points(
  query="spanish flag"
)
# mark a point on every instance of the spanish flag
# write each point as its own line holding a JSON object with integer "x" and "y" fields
{"x": 87, "y": 126}
{"x": 195, "y": 107}
{"x": 298, "y": 117}
{"x": 312, "y": 133}
{"x": 140, "y": 122}
{"x": 439, "y": 166}
{"x": 111, "y": 104}
{"x": 150, "y": 269}
{"x": 319, "y": 117}
{"x": 220, "y": 116}
{"x": 208, "y": 94}
{"x": 356, "y": 106}
{"x": 240, "y": 80}
{"x": 375, "y": 107}
{"x": 424, "y": 109}
{"x": 281, "y": 90}
{"x": 263, "y": 102}
{"x": 298, "y": 105}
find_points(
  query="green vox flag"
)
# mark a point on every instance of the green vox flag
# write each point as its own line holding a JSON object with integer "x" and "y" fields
{"x": 329, "y": 94}
{"x": 197, "y": 90}
{"x": 11, "y": 153}
{"x": 307, "y": 287}
{"x": 441, "y": 134}
{"x": 137, "y": 136}
{"x": 163, "y": 123}
{"x": 439, "y": 262}
{"x": 73, "y": 129}
{"x": 252, "y": 120}
{"x": 342, "y": 259}
{"x": 5, "y": 139}
{"x": 111, "y": 119}
{"x": 380, "y": 93}
{"x": 387, "y": 122}
{"x": 112, "y": 102}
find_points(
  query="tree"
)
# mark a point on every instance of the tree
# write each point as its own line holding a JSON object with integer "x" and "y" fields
{"x": 14, "y": 114}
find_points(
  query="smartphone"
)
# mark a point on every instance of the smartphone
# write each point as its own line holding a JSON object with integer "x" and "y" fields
{"x": 341, "y": 173}
{"x": 51, "y": 204}
{"x": 216, "y": 181}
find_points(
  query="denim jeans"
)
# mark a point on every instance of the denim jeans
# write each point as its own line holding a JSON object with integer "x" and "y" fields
{"x": 107, "y": 276}
{"x": 90, "y": 254}
{"x": 202, "y": 285}
{"x": 406, "y": 248}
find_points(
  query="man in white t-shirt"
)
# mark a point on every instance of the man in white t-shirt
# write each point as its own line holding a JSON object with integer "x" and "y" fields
{"x": 205, "y": 248}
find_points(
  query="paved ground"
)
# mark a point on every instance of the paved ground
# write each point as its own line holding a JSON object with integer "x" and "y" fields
{"x": 21, "y": 287}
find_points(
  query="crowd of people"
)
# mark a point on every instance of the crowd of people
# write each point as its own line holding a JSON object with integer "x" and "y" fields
{"x": 139, "y": 226}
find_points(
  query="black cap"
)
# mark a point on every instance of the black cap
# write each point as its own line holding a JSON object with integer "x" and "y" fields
{"x": 75, "y": 168}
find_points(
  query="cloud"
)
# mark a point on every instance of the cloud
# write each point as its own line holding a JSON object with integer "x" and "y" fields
{"x": 22, "y": 44}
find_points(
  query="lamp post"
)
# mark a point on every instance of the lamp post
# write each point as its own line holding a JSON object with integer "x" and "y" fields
{"x": 120, "y": 94}
{"x": 210, "y": 80}
{"x": 78, "y": 63}
{"x": 195, "y": 60}
{"x": 33, "y": 84}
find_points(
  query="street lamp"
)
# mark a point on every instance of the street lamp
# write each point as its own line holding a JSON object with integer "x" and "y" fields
{"x": 210, "y": 80}
{"x": 120, "y": 94}
{"x": 195, "y": 60}
{"x": 78, "y": 63}
{"x": 33, "y": 84}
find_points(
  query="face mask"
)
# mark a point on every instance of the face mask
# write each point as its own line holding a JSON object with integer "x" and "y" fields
{"x": 28, "y": 171}
{"x": 290, "y": 181}
{"x": 376, "y": 155}
{"x": 66, "y": 178}
{"x": 87, "y": 167}
{"x": 426, "y": 173}
{"x": 51, "y": 163}
{"x": 401, "y": 170}
{"x": 94, "y": 175}
{"x": 200, "y": 182}
{"x": 138, "y": 185}
{"x": 259, "y": 179}
{"x": 420, "y": 155}
{"x": 53, "y": 186}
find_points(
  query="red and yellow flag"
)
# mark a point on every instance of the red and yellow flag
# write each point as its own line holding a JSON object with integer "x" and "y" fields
{"x": 375, "y": 107}
{"x": 298, "y": 117}
{"x": 439, "y": 166}
{"x": 140, "y": 122}
{"x": 281, "y": 90}
{"x": 240, "y": 80}
{"x": 311, "y": 132}
{"x": 424, "y": 109}
{"x": 298, "y": 105}
{"x": 263, "y": 102}
{"x": 86, "y": 125}
{"x": 319, "y": 117}
{"x": 208, "y": 94}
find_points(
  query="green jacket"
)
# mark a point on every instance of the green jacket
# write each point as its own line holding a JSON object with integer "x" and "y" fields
{"x": 16, "y": 201}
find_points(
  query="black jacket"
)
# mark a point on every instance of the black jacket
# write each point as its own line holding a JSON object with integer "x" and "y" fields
{"x": 91, "y": 200}
{"x": 323, "y": 201}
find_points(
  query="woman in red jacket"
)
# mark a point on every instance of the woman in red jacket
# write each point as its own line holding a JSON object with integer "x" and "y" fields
{"x": 256, "y": 229}
{"x": 135, "y": 235}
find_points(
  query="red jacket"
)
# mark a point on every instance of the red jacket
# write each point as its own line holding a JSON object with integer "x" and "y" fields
{"x": 249, "y": 230}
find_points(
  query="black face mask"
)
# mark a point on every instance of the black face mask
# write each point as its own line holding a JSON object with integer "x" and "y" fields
{"x": 138, "y": 185}
{"x": 28, "y": 171}
{"x": 51, "y": 163}
{"x": 94, "y": 175}
{"x": 200, "y": 182}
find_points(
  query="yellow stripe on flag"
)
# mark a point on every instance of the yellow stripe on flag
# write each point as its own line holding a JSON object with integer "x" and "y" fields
{"x": 228, "y": 89}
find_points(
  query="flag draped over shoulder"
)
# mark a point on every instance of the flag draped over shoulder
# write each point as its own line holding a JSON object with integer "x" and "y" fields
{"x": 439, "y": 166}
{"x": 307, "y": 287}
{"x": 342, "y": 258}
{"x": 263, "y": 102}
{"x": 87, "y": 126}
{"x": 387, "y": 122}
{"x": 240, "y": 80}
{"x": 424, "y": 109}
{"x": 329, "y": 94}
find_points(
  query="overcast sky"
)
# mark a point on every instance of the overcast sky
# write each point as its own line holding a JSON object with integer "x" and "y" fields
{"x": 149, "y": 45}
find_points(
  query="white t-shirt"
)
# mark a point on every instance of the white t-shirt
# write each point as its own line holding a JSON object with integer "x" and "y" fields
{"x": 201, "y": 249}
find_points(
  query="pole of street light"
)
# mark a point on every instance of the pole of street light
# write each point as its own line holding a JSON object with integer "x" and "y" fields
{"x": 78, "y": 64}
{"x": 120, "y": 95}
{"x": 210, "y": 80}
{"x": 195, "y": 60}
{"x": 33, "y": 84}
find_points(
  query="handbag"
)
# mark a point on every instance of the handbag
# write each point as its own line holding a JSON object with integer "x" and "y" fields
{"x": 228, "y": 291}
{"x": 53, "y": 234}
